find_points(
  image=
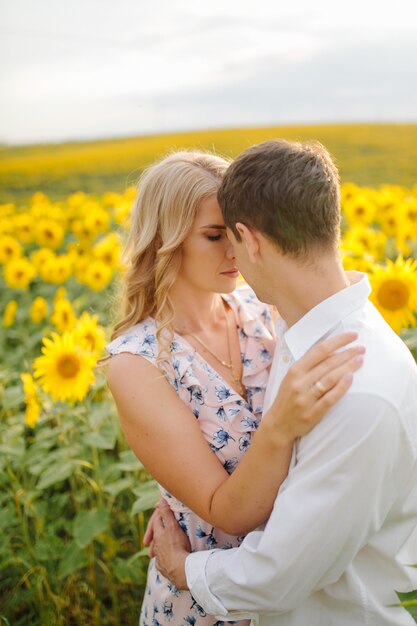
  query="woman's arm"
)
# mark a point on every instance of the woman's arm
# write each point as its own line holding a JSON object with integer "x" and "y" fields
{"x": 165, "y": 436}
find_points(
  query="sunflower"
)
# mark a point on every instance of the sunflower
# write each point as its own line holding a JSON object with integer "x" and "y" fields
{"x": 6, "y": 210}
{"x": 38, "y": 310}
{"x": 32, "y": 411}
{"x": 406, "y": 237}
{"x": 10, "y": 249}
{"x": 359, "y": 209}
{"x": 49, "y": 234}
{"x": 18, "y": 273}
{"x": 109, "y": 250}
{"x": 83, "y": 231}
{"x": 361, "y": 263}
{"x": 9, "y": 313}
{"x": 77, "y": 250}
{"x": 110, "y": 199}
{"x": 394, "y": 292}
{"x": 410, "y": 210}
{"x": 59, "y": 269}
{"x": 24, "y": 224}
{"x": 40, "y": 256}
{"x": 29, "y": 388}
{"x": 60, "y": 294}
{"x": 364, "y": 240}
{"x": 391, "y": 221}
{"x": 98, "y": 220}
{"x": 97, "y": 275}
{"x": 63, "y": 316}
{"x": 65, "y": 371}
{"x": 122, "y": 213}
{"x": 89, "y": 334}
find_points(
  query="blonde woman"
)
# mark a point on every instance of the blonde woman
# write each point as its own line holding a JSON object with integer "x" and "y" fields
{"x": 189, "y": 367}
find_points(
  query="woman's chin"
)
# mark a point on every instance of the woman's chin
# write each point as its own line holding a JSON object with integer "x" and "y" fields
{"x": 228, "y": 286}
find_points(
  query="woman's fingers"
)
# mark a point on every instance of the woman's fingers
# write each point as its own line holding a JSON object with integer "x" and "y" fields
{"x": 323, "y": 350}
{"x": 323, "y": 385}
{"x": 330, "y": 398}
{"x": 350, "y": 355}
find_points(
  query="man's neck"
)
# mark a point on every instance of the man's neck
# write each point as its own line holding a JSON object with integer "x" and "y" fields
{"x": 299, "y": 287}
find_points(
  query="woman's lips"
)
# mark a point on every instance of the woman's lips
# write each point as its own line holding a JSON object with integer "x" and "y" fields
{"x": 232, "y": 273}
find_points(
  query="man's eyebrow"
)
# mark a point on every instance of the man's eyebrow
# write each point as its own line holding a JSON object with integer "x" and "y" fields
{"x": 218, "y": 226}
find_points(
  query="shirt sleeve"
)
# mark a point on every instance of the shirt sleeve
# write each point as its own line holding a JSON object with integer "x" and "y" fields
{"x": 348, "y": 471}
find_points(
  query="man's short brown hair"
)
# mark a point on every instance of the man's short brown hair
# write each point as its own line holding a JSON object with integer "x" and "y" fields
{"x": 289, "y": 191}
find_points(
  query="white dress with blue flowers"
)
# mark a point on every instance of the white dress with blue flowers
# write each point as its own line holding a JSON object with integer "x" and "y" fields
{"x": 227, "y": 422}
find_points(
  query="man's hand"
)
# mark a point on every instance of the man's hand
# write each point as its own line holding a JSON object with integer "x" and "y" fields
{"x": 170, "y": 546}
{"x": 148, "y": 536}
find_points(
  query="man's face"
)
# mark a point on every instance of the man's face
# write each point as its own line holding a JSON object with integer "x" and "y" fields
{"x": 246, "y": 267}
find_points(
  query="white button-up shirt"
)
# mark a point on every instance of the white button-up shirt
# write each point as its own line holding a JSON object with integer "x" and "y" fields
{"x": 341, "y": 537}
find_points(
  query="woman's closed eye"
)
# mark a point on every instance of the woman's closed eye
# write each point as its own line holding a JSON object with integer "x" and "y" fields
{"x": 214, "y": 237}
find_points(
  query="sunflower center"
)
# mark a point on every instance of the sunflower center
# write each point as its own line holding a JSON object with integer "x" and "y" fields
{"x": 68, "y": 365}
{"x": 393, "y": 294}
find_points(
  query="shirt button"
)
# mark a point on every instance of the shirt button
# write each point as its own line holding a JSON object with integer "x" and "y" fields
{"x": 286, "y": 358}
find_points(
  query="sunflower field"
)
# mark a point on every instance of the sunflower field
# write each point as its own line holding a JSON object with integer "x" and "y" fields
{"x": 74, "y": 500}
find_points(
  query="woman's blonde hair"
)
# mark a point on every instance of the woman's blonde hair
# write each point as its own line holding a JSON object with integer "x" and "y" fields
{"x": 169, "y": 194}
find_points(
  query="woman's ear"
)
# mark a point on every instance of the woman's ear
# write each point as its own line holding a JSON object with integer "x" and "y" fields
{"x": 250, "y": 239}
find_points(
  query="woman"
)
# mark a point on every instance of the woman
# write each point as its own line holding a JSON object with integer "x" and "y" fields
{"x": 190, "y": 364}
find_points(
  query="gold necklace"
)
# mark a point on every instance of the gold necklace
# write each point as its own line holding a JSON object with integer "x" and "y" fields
{"x": 228, "y": 365}
{"x": 235, "y": 377}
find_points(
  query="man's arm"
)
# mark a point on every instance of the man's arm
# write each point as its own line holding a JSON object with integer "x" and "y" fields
{"x": 337, "y": 496}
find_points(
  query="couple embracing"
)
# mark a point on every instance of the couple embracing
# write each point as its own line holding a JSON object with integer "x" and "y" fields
{"x": 280, "y": 419}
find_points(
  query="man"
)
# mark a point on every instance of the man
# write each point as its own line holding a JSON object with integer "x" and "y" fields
{"x": 339, "y": 540}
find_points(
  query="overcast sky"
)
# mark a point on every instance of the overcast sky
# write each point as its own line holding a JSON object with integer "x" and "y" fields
{"x": 78, "y": 69}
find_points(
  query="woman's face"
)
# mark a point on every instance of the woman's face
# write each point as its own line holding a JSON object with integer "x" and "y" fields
{"x": 208, "y": 260}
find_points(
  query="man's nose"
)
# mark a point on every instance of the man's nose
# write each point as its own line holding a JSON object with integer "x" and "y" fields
{"x": 230, "y": 253}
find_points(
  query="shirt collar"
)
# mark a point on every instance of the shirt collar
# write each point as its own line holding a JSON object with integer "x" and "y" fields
{"x": 326, "y": 315}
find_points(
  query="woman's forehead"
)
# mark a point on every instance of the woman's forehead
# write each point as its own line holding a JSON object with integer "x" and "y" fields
{"x": 209, "y": 213}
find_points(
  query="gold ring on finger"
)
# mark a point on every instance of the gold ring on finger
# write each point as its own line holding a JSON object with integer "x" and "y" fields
{"x": 321, "y": 390}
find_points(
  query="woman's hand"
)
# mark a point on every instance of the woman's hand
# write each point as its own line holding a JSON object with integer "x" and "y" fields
{"x": 313, "y": 385}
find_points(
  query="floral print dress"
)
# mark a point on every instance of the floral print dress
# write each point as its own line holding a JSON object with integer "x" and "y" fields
{"x": 227, "y": 422}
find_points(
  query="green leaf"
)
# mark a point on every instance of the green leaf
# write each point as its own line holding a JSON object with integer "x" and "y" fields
{"x": 89, "y": 524}
{"x": 149, "y": 495}
{"x": 105, "y": 439}
{"x": 140, "y": 554}
{"x": 73, "y": 560}
{"x": 118, "y": 486}
{"x": 128, "y": 462}
{"x": 128, "y": 572}
{"x": 7, "y": 518}
{"x": 48, "y": 548}
{"x": 55, "y": 474}
{"x": 13, "y": 396}
{"x": 14, "y": 448}
{"x": 100, "y": 412}
{"x": 410, "y": 338}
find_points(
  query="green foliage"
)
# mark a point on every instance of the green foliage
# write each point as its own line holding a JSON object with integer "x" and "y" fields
{"x": 71, "y": 530}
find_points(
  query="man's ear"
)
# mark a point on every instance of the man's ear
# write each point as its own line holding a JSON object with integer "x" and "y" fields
{"x": 250, "y": 239}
